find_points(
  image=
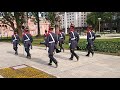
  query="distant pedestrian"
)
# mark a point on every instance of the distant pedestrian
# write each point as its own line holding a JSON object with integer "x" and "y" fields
{"x": 27, "y": 41}
{"x": 90, "y": 39}
{"x": 15, "y": 42}
{"x": 45, "y": 38}
{"x": 61, "y": 39}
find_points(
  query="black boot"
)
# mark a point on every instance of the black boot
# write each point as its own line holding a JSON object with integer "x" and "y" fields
{"x": 29, "y": 56}
{"x": 70, "y": 58}
{"x": 63, "y": 49}
{"x": 56, "y": 65}
{"x": 15, "y": 53}
{"x": 77, "y": 58}
{"x": 50, "y": 64}
{"x": 92, "y": 54}
{"x": 87, "y": 55}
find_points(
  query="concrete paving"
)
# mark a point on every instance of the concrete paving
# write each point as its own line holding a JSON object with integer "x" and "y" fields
{"x": 99, "y": 66}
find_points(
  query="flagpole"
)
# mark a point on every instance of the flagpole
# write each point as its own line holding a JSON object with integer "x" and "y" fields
{"x": 65, "y": 23}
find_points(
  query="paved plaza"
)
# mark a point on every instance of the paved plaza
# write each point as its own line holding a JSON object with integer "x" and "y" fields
{"x": 99, "y": 66}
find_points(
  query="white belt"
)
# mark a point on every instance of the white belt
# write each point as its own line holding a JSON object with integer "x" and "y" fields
{"x": 72, "y": 38}
{"x": 61, "y": 37}
{"x": 14, "y": 40}
{"x": 91, "y": 38}
{"x": 26, "y": 40}
{"x": 51, "y": 41}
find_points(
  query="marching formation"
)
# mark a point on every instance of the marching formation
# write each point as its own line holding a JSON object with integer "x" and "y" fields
{"x": 51, "y": 40}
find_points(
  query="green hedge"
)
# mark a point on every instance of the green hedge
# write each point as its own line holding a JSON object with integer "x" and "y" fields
{"x": 103, "y": 45}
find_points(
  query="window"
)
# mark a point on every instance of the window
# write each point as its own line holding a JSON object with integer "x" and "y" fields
{"x": 81, "y": 15}
{"x": 82, "y": 23}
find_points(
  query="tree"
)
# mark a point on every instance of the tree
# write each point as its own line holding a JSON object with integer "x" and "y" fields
{"x": 54, "y": 19}
{"x": 12, "y": 18}
{"x": 92, "y": 18}
{"x": 50, "y": 16}
{"x": 36, "y": 20}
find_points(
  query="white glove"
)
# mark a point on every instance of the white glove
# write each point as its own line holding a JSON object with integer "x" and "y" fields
{"x": 47, "y": 48}
{"x": 69, "y": 44}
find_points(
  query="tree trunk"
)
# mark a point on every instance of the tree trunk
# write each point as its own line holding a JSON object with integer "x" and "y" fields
{"x": 26, "y": 19}
{"x": 12, "y": 26}
{"x": 38, "y": 23}
{"x": 19, "y": 32}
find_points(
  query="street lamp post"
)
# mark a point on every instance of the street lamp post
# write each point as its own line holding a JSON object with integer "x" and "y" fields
{"x": 99, "y": 23}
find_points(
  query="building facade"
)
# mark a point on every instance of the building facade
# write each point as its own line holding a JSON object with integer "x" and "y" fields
{"x": 6, "y": 31}
{"x": 77, "y": 18}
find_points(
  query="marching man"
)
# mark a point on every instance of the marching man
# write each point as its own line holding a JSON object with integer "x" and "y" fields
{"x": 61, "y": 39}
{"x": 15, "y": 42}
{"x": 51, "y": 44}
{"x": 27, "y": 41}
{"x": 73, "y": 42}
{"x": 90, "y": 39}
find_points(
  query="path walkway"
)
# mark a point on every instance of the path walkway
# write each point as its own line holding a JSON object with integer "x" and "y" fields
{"x": 99, "y": 66}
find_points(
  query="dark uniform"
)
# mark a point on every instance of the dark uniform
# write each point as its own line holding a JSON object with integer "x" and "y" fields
{"x": 61, "y": 39}
{"x": 15, "y": 42}
{"x": 78, "y": 38}
{"x": 51, "y": 44}
{"x": 45, "y": 38}
{"x": 90, "y": 39}
{"x": 27, "y": 40}
{"x": 73, "y": 43}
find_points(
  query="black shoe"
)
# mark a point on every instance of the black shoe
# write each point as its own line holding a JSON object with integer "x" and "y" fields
{"x": 16, "y": 53}
{"x": 56, "y": 65}
{"x": 92, "y": 54}
{"x": 70, "y": 58}
{"x": 63, "y": 50}
{"x": 87, "y": 55}
{"x": 29, "y": 57}
{"x": 50, "y": 64}
{"x": 77, "y": 58}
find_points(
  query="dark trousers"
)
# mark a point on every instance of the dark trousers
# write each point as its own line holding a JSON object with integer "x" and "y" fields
{"x": 27, "y": 48}
{"x": 61, "y": 47}
{"x": 50, "y": 52}
{"x": 73, "y": 53}
{"x": 15, "y": 46}
{"x": 90, "y": 49}
{"x": 52, "y": 59}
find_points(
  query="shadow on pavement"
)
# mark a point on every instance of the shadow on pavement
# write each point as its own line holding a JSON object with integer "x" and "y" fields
{"x": 38, "y": 60}
{"x": 20, "y": 55}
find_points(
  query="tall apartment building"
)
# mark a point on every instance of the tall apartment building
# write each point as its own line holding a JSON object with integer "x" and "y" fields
{"x": 77, "y": 18}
